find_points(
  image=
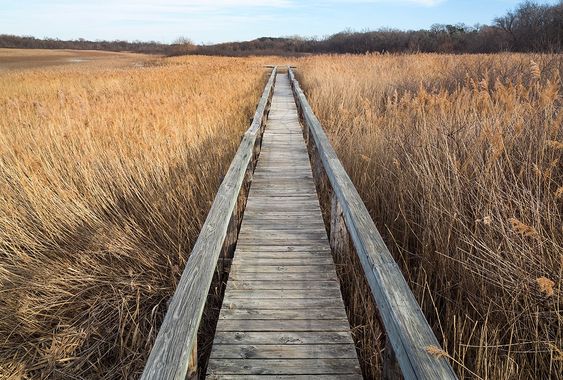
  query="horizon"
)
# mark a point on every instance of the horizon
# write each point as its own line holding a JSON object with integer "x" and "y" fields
{"x": 235, "y": 20}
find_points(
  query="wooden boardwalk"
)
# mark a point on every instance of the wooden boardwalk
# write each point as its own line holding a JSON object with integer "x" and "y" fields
{"x": 283, "y": 315}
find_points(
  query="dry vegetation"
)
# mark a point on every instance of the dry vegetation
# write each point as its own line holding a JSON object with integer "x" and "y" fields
{"x": 458, "y": 160}
{"x": 18, "y": 59}
{"x": 106, "y": 174}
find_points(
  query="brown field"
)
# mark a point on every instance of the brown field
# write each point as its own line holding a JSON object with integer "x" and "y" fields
{"x": 106, "y": 174}
{"x": 458, "y": 159}
{"x": 108, "y": 168}
{"x": 19, "y": 59}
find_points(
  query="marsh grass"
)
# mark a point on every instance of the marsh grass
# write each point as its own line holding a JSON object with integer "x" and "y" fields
{"x": 458, "y": 159}
{"x": 106, "y": 175}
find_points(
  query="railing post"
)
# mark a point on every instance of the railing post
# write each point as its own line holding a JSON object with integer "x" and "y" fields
{"x": 391, "y": 369}
{"x": 339, "y": 238}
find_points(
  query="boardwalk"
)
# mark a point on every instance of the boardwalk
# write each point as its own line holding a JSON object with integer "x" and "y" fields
{"x": 282, "y": 315}
{"x": 283, "y": 312}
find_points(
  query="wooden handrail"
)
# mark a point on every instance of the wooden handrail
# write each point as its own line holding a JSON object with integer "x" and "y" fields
{"x": 407, "y": 329}
{"x": 176, "y": 339}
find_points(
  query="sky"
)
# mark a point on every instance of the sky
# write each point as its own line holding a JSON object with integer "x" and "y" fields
{"x": 233, "y": 20}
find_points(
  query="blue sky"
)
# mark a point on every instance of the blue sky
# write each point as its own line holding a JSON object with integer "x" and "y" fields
{"x": 232, "y": 20}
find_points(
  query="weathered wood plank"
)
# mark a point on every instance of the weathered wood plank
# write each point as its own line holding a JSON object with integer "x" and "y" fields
{"x": 250, "y": 276}
{"x": 285, "y": 202}
{"x": 282, "y": 197}
{"x": 287, "y": 337}
{"x": 285, "y": 377}
{"x": 280, "y": 303}
{"x": 286, "y": 235}
{"x": 269, "y": 244}
{"x": 282, "y": 285}
{"x": 284, "y": 351}
{"x": 324, "y": 268}
{"x": 284, "y": 366}
{"x": 273, "y": 227}
{"x": 288, "y": 214}
{"x": 257, "y": 254}
{"x": 287, "y": 294}
{"x": 283, "y": 325}
{"x": 283, "y": 248}
{"x": 265, "y": 314}
{"x": 292, "y": 221}
{"x": 287, "y": 193}
{"x": 258, "y": 261}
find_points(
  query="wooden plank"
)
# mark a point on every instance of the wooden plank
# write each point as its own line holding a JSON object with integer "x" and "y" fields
{"x": 276, "y": 198}
{"x": 281, "y": 202}
{"x": 266, "y": 209}
{"x": 235, "y": 268}
{"x": 287, "y": 337}
{"x": 283, "y": 325}
{"x": 281, "y": 260}
{"x": 270, "y": 244}
{"x": 268, "y": 176}
{"x": 286, "y": 235}
{"x": 265, "y": 314}
{"x": 289, "y": 255}
{"x": 284, "y": 366}
{"x": 283, "y": 248}
{"x": 289, "y": 214}
{"x": 404, "y": 322}
{"x": 287, "y": 193}
{"x": 283, "y": 206}
{"x": 287, "y": 294}
{"x": 285, "y": 377}
{"x": 281, "y": 186}
{"x": 308, "y": 218}
{"x": 285, "y": 170}
{"x": 279, "y": 351}
{"x": 273, "y": 227}
{"x": 174, "y": 343}
{"x": 281, "y": 285}
{"x": 280, "y": 303}
{"x": 257, "y": 276}
{"x": 265, "y": 227}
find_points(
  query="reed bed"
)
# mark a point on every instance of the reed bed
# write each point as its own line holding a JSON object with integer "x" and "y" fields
{"x": 458, "y": 159}
{"x": 106, "y": 175}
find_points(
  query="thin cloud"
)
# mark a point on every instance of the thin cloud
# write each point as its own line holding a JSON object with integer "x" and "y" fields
{"x": 426, "y": 3}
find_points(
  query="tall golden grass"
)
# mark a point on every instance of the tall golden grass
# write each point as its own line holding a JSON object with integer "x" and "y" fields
{"x": 458, "y": 159}
{"x": 106, "y": 175}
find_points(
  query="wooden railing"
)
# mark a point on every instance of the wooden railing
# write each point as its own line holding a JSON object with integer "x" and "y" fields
{"x": 408, "y": 333}
{"x": 174, "y": 354}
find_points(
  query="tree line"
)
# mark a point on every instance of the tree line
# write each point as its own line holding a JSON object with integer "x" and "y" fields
{"x": 530, "y": 27}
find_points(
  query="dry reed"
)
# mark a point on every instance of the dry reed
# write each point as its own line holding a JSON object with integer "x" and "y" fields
{"x": 458, "y": 160}
{"x": 106, "y": 175}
